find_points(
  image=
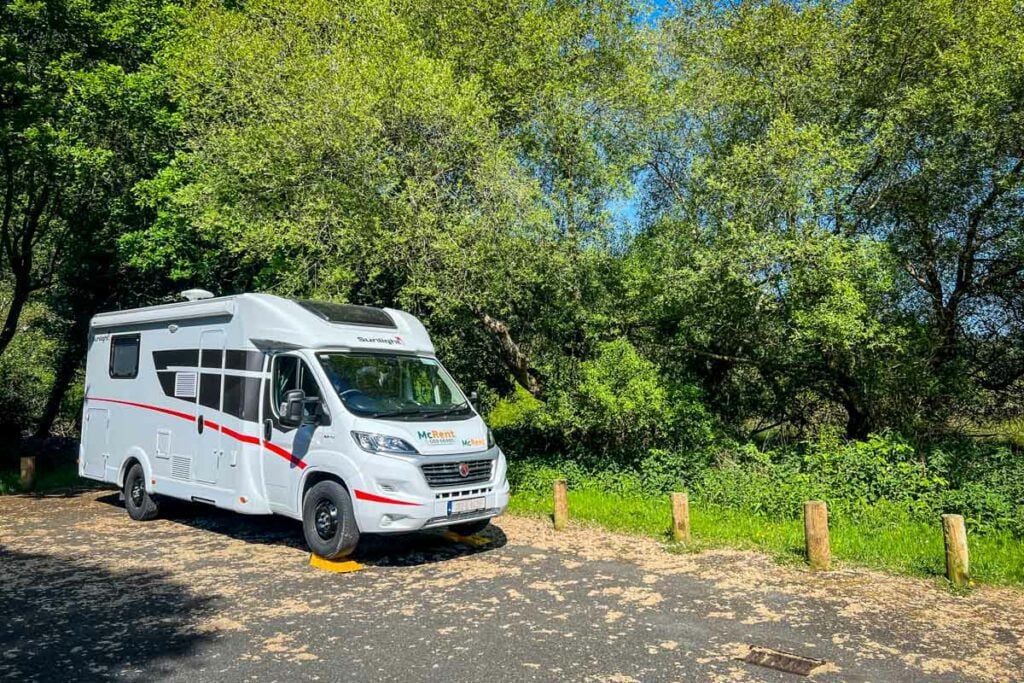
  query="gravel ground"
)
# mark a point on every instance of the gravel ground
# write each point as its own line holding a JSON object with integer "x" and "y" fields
{"x": 87, "y": 594}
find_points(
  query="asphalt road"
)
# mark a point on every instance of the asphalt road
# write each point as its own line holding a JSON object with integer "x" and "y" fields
{"x": 86, "y": 594}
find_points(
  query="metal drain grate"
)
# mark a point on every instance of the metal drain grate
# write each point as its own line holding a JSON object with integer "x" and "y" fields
{"x": 782, "y": 661}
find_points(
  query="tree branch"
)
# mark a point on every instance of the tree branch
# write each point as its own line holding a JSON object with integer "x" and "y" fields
{"x": 512, "y": 355}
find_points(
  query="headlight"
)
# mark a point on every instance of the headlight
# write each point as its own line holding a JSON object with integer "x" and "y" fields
{"x": 382, "y": 443}
{"x": 490, "y": 438}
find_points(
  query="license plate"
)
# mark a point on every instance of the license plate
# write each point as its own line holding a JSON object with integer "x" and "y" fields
{"x": 456, "y": 507}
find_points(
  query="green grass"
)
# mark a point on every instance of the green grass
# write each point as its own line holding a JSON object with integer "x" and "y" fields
{"x": 878, "y": 540}
{"x": 47, "y": 479}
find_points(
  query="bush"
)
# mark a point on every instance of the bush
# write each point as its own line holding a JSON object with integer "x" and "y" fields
{"x": 25, "y": 376}
{"x": 883, "y": 477}
{"x": 616, "y": 413}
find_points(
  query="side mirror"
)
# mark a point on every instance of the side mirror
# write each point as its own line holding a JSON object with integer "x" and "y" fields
{"x": 474, "y": 400}
{"x": 292, "y": 407}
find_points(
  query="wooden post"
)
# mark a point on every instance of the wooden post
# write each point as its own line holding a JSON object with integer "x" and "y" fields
{"x": 819, "y": 553}
{"x": 561, "y": 505}
{"x": 954, "y": 533}
{"x": 28, "y": 473}
{"x": 680, "y": 517}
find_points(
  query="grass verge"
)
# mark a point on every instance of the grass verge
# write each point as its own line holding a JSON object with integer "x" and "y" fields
{"x": 55, "y": 478}
{"x": 880, "y": 539}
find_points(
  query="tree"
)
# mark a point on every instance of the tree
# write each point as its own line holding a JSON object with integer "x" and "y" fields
{"x": 845, "y": 177}
{"x": 83, "y": 117}
{"x": 365, "y": 151}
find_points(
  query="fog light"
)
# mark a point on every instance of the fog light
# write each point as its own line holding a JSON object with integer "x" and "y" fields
{"x": 389, "y": 519}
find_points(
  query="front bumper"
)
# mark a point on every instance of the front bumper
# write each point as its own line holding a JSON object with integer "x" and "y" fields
{"x": 386, "y": 518}
{"x": 399, "y": 500}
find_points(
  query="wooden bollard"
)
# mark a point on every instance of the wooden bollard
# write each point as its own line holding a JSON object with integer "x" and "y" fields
{"x": 954, "y": 533}
{"x": 28, "y": 473}
{"x": 680, "y": 517}
{"x": 561, "y": 505}
{"x": 819, "y": 553}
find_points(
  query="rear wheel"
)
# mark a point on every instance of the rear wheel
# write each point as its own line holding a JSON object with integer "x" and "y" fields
{"x": 470, "y": 528}
{"x": 140, "y": 505}
{"x": 328, "y": 521}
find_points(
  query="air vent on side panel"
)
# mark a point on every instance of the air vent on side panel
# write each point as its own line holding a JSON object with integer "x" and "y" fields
{"x": 185, "y": 384}
{"x": 181, "y": 467}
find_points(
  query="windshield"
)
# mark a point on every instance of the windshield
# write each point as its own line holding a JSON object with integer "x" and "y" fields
{"x": 394, "y": 386}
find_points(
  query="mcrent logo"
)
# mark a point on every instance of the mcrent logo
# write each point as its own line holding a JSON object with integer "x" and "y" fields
{"x": 437, "y": 437}
{"x": 473, "y": 442}
{"x": 390, "y": 341}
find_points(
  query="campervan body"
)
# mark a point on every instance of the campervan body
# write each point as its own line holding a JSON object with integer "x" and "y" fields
{"x": 337, "y": 415}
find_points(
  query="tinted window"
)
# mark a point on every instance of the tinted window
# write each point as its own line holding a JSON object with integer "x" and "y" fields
{"x": 124, "y": 356}
{"x": 209, "y": 390}
{"x": 348, "y": 313}
{"x": 290, "y": 372}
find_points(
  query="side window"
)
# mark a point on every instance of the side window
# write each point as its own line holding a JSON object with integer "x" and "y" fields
{"x": 286, "y": 378}
{"x": 124, "y": 356}
{"x": 291, "y": 372}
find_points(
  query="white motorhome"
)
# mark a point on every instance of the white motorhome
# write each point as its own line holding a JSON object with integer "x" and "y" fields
{"x": 337, "y": 415}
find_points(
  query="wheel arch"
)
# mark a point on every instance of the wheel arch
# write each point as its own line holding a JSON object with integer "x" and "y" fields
{"x": 316, "y": 476}
{"x": 135, "y": 455}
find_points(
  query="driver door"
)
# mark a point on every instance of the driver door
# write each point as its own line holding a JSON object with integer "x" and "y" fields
{"x": 285, "y": 446}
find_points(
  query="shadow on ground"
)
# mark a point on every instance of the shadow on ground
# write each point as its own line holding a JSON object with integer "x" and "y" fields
{"x": 63, "y": 619}
{"x": 426, "y": 547}
{"x": 378, "y": 550}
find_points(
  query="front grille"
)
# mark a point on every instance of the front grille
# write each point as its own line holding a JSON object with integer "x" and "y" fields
{"x": 468, "y": 493}
{"x": 445, "y": 474}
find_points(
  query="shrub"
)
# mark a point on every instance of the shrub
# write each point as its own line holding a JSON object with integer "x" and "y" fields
{"x": 883, "y": 477}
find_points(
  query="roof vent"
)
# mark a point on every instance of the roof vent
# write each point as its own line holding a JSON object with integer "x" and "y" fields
{"x": 196, "y": 294}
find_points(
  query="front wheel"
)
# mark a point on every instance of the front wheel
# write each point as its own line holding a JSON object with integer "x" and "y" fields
{"x": 140, "y": 505}
{"x": 328, "y": 521}
{"x": 470, "y": 528}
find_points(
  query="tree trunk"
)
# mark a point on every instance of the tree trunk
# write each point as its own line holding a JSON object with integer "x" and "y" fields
{"x": 68, "y": 363}
{"x": 7, "y": 332}
{"x": 858, "y": 425}
{"x": 513, "y": 357}
{"x": 849, "y": 394}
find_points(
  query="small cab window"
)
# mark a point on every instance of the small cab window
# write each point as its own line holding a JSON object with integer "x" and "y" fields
{"x": 124, "y": 356}
{"x": 291, "y": 372}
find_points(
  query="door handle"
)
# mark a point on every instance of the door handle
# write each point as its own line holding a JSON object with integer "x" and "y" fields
{"x": 268, "y": 430}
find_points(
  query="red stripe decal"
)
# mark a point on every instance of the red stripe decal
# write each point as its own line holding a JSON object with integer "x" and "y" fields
{"x": 373, "y": 498}
{"x": 273, "y": 448}
{"x": 166, "y": 411}
{"x": 244, "y": 438}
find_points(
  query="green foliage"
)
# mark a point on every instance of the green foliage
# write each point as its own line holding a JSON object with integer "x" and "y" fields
{"x": 850, "y": 477}
{"x": 25, "y": 375}
{"x": 882, "y": 473}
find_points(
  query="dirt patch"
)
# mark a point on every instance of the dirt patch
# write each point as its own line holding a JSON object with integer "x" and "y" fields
{"x": 982, "y": 632}
{"x": 615, "y": 595}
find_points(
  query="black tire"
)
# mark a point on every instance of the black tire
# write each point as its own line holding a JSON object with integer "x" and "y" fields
{"x": 328, "y": 521}
{"x": 140, "y": 505}
{"x": 470, "y": 528}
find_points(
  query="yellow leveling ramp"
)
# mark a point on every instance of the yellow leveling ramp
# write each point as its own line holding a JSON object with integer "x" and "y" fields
{"x": 475, "y": 541}
{"x": 339, "y": 566}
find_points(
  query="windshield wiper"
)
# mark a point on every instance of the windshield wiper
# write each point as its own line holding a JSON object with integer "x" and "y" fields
{"x": 446, "y": 411}
{"x": 394, "y": 413}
